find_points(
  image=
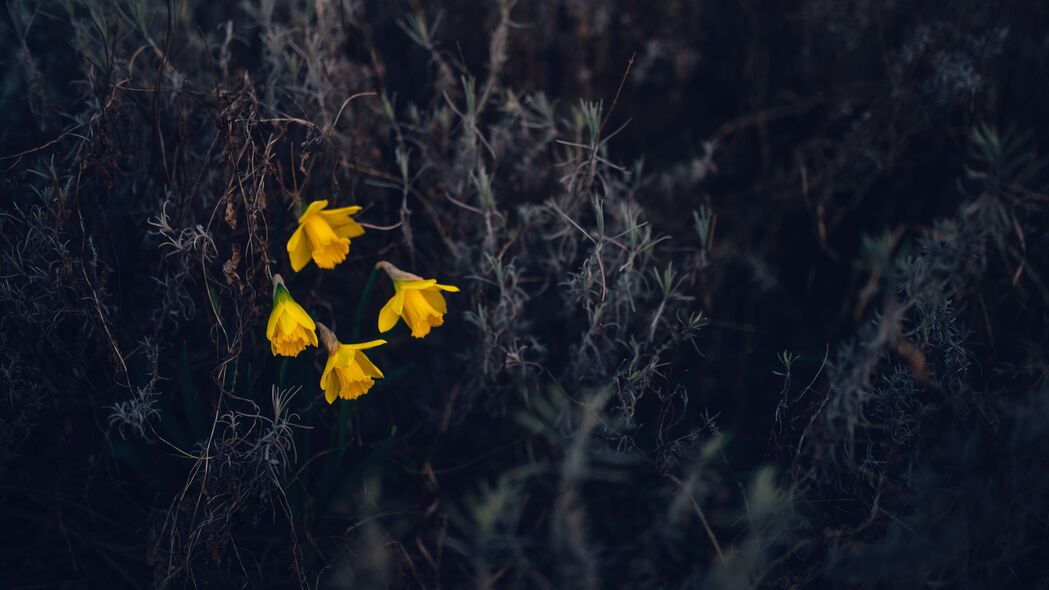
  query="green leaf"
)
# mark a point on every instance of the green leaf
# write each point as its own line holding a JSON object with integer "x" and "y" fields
{"x": 362, "y": 305}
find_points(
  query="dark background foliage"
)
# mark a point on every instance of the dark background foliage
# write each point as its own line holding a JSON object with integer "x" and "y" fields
{"x": 754, "y": 294}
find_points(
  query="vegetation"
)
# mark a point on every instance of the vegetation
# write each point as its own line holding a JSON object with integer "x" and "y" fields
{"x": 753, "y": 295}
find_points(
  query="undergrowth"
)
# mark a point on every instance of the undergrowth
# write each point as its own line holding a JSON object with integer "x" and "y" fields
{"x": 752, "y": 296}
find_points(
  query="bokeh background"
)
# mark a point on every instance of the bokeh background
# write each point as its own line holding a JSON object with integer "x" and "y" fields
{"x": 754, "y": 294}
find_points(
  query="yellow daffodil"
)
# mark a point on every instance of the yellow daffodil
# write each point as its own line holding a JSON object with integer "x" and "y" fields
{"x": 290, "y": 329}
{"x": 349, "y": 373}
{"x": 417, "y": 300}
{"x": 323, "y": 235}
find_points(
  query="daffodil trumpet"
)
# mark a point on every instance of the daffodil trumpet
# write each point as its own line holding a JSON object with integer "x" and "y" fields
{"x": 349, "y": 373}
{"x": 289, "y": 329}
{"x": 418, "y": 301}
{"x": 323, "y": 236}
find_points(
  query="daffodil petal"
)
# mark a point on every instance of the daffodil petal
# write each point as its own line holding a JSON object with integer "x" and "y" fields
{"x": 299, "y": 315}
{"x": 417, "y": 300}
{"x": 436, "y": 300}
{"x": 391, "y": 312}
{"x": 313, "y": 209}
{"x": 328, "y": 366}
{"x": 345, "y": 228}
{"x": 341, "y": 212}
{"x": 331, "y": 391}
{"x": 423, "y": 284}
{"x": 365, "y": 345}
{"x": 415, "y": 313}
{"x": 368, "y": 366}
{"x": 299, "y": 250}
{"x": 271, "y": 324}
{"x": 289, "y": 328}
{"x": 352, "y": 371}
{"x": 341, "y": 222}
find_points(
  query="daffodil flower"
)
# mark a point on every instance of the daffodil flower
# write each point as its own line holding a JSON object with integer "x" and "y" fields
{"x": 323, "y": 235}
{"x": 349, "y": 373}
{"x": 417, "y": 300}
{"x": 290, "y": 329}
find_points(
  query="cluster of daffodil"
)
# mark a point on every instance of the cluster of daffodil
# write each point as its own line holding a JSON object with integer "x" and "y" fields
{"x": 323, "y": 236}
